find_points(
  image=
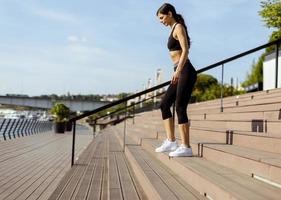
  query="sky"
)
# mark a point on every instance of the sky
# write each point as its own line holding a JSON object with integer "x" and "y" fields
{"x": 109, "y": 47}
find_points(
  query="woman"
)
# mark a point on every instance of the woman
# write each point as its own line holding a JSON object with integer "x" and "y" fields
{"x": 182, "y": 83}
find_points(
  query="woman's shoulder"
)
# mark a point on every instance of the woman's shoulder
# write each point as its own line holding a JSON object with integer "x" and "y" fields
{"x": 179, "y": 26}
{"x": 179, "y": 29}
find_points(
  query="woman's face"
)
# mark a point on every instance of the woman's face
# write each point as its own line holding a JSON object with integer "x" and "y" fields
{"x": 164, "y": 19}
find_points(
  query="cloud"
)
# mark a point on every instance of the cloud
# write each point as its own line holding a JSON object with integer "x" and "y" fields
{"x": 74, "y": 38}
{"x": 54, "y": 15}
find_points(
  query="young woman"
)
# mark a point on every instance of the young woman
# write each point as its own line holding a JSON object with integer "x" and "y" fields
{"x": 182, "y": 83}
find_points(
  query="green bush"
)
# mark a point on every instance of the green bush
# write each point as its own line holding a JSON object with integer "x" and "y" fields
{"x": 61, "y": 112}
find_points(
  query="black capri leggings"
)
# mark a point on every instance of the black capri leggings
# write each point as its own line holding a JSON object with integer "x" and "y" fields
{"x": 179, "y": 93}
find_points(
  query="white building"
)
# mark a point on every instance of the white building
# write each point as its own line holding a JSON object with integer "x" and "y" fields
{"x": 269, "y": 71}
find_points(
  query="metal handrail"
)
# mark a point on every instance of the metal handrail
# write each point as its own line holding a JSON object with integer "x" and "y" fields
{"x": 119, "y": 101}
{"x": 220, "y": 63}
{"x": 239, "y": 56}
{"x": 121, "y": 109}
{"x": 168, "y": 82}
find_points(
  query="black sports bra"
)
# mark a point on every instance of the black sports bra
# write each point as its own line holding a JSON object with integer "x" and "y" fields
{"x": 173, "y": 44}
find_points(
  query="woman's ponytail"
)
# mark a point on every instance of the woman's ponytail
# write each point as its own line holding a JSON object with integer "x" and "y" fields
{"x": 180, "y": 20}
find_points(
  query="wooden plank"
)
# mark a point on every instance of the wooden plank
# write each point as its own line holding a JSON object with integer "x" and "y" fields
{"x": 105, "y": 183}
{"x": 84, "y": 185}
{"x": 67, "y": 187}
{"x": 33, "y": 183}
{"x": 128, "y": 187}
{"x": 96, "y": 188}
{"x": 12, "y": 188}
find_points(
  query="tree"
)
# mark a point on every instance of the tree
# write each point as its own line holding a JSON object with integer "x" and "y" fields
{"x": 207, "y": 88}
{"x": 271, "y": 14}
{"x": 256, "y": 75}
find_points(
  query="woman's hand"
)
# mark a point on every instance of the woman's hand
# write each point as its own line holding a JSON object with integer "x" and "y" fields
{"x": 175, "y": 77}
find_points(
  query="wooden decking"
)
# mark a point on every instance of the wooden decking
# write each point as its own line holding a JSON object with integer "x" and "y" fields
{"x": 32, "y": 167}
{"x": 102, "y": 172}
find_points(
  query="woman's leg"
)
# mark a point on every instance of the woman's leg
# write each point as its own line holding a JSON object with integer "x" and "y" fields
{"x": 165, "y": 106}
{"x": 184, "y": 133}
{"x": 169, "y": 128}
{"x": 184, "y": 89}
{"x": 170, "y": 143}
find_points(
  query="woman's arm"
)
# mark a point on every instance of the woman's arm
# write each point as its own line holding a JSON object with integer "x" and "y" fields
{"x": 181, "y": 36}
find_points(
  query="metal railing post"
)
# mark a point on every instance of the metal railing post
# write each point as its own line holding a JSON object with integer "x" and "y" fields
{"x": 33, "y": 126}
{"x": 3, "y": 122}
{"x": 15, "y": 128}
{"x": 7, "y": 125}
{"x": 134, "y": 113}
{"x": 19, "y": 128}
{"x": 124, "y": 134}
{"x": 94, "y": 127}
{"x": 73, "y": 143}
{"x": 222, "y": 76}
{"x": 276, "y": 65}
{"x": 11, "y": 128}
{"x": 27, "y": 127}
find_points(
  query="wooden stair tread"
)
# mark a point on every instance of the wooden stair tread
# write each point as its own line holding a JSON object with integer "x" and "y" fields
{"x": 240, "y": 185}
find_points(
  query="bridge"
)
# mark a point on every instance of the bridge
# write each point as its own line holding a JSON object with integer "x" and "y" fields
{"x": 47, "y": 103}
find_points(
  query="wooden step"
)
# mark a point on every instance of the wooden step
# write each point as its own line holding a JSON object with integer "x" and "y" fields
{"x": 249, "y": 96}
{"x": 158, "y": 181}
{"x": 258, "y": 125}
{"x": 246, "y": 160}
{"x": 101, "y": 172}
{"x": 263, "y": 164}
{"x": 144, "y": 142}
{"x": 216, "y": 181}
{"x": 247, "y": 116}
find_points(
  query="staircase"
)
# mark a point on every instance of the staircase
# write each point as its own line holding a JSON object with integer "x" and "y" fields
{"x": 237, "y": 152}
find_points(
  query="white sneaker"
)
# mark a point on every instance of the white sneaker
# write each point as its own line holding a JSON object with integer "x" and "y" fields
{"x": 167, "y": 146}
{"x": 181, "y": 151}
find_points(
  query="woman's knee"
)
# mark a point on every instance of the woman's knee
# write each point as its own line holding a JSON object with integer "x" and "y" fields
{"x": 182, "y": 114}
{"x": 165, "y": 110}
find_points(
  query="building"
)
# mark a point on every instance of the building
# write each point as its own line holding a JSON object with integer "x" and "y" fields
{"x": 269, "y": 71}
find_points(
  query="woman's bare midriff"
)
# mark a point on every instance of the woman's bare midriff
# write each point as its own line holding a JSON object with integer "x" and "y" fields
{"x": 175, "y": 56}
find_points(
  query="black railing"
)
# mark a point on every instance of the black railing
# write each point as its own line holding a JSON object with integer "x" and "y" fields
{"x": 215, "y": 65}
{"x": 12, "y": 128}
{"x": 126, "y": 109}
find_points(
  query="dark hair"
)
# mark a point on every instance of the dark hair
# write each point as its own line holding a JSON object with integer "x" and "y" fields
{"x": 165, "y": 9}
